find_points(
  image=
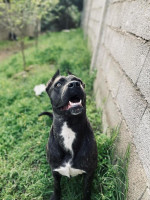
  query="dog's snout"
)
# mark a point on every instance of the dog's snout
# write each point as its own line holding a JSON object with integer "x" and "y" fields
{"x": 74, "y": 84}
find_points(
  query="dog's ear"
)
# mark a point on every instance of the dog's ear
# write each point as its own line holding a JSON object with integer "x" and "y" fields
{"x": 83, "y": 84}
{"x": 70, "y": 73}
{"x": 56, "y": 74}
{"x": 49, "y": 84}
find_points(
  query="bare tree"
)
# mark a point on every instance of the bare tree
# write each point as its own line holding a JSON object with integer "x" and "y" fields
{"x": 15, "y": 16}
{"x": 40, "y": 9}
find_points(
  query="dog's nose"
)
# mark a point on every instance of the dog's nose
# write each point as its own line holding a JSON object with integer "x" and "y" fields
{"x": 74, "y": 84}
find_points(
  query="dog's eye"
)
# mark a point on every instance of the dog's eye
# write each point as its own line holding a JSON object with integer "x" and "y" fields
{"x": 58, "y": 84}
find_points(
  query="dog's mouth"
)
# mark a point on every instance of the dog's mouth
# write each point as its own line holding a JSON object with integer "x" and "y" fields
{"x": 73, "y": 103}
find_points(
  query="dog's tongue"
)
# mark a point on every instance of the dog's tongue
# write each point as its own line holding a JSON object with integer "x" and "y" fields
{"x": 72, "y": 104}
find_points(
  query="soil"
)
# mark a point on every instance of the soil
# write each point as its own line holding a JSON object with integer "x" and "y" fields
{"x": 5, "y": 53}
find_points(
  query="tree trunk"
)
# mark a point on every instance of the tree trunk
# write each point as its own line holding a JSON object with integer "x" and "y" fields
{"x": 23, "y": 54}
{"x": 36, "y": 34}
{"x": 66, "y": 18}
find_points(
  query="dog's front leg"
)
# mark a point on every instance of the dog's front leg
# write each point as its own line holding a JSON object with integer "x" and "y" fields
{"x": 87, "y": 186}
{"x": 57, "y": 189}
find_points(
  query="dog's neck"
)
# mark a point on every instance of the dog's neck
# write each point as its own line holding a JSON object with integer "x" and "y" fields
{"x": 76, "y": 123}
{"x": 69, "y": 129}
{"x": 70, "y": 119}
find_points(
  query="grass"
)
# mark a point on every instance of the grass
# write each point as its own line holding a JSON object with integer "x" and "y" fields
{"x": 8, "y": 44}
{"x": 24, "y": 171}
{"x": 5, "y": 44}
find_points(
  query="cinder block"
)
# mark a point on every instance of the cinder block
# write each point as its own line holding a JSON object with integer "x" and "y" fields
{"x": 94, "y": 26}
{"x": 142, "y": 141}
{"x": 95, "y": 29}
{"x": 114, "y": 15}
{"x": 111, "y": 69}
{"x": 136, "y": 18}
{"x": 91, "y": 36}
{"x": 128, "y": 51}
{"x": 113, "y": 73}
{"x": 114, "y": 77}
{"x": 131, "y": 103}
{"x": 92, "y": 33}
{"x": 86, "y": 12}
{"x": 146, "y": 195}
{"x": 105, "y": 124}
{"x": 111, "y": 115}
{"x": 117, "y": 1}
{"x": 95, "y": 14}
{"x": 98, "y": 4}
{"x": 131, "y": 16}
{"x": 144, "y": 79}
{"x": 98, "y": 99}
{"x": 100, "y": 89}
{"x": 136, "y": 177}
{"x": 124, "y": 139}
{"x": 101, "y": 57}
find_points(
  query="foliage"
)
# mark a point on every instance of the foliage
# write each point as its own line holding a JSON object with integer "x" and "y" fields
{"x": 14, "y": 14}
{"x": 24, "y": 171}
{"x": 39, "y": 10}
{"x": 64, "y": 15}
{"x": 17, "y": 15}
{"x": 78, "y": 3}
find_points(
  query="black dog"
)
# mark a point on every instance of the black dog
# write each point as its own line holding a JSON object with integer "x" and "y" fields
{"x": 71, "y": 148}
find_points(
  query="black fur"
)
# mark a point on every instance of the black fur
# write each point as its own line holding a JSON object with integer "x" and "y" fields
{"x": 84, "y": 146}
{"x": 46, "y": 113}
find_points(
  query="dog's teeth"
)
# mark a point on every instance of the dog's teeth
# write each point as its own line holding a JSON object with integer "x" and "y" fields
{"x": 75, "y": 104}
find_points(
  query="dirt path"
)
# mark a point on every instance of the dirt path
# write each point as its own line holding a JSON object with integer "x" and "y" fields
{"x": 7, "y": 52}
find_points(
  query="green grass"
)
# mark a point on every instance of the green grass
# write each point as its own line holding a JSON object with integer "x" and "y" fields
{"x": 5, "y": 44}
{"x": 8, "y": 45}
{"x": 24, "y": 171}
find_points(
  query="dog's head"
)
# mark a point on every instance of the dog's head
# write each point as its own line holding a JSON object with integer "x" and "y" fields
{"x": 67, "y": 94}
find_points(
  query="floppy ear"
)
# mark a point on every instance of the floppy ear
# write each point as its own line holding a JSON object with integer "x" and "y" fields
{"x": 49, "y": 84}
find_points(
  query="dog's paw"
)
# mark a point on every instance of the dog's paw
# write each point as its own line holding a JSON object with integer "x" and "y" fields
{"x": 54, "y": 197}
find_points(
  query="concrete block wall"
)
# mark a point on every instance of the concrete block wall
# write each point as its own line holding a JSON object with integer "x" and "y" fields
{"x": 118, "y": 32}
{"x": 92, "y": 19}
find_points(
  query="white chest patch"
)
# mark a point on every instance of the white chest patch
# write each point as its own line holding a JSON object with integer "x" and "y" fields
{"x": 68, "y": 171}
{"x": 68, "y": 137}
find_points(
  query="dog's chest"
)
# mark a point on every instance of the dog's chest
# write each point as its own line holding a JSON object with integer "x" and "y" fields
{"x": 66, "y": 168}
{"x": 68, "y": 137}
